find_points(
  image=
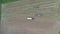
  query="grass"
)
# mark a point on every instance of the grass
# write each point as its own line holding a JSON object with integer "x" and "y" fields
{"x": 59, "y": 32}
{"x": 7, "y": 1}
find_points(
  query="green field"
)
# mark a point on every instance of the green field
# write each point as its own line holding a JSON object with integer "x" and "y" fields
{"x": 59, "y": 32}
{"x": 7, "y": 1}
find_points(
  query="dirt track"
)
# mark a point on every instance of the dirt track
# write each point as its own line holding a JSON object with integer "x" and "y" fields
{"x": 15, "y": 14}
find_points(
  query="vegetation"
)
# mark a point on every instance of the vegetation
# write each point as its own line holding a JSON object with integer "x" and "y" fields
{"x": 7, "y": 1}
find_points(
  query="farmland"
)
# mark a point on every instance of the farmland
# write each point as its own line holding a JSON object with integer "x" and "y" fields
{"x": 14, "y": 17}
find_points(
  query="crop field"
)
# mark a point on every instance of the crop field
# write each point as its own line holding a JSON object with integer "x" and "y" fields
{"x": 14, "y": 17}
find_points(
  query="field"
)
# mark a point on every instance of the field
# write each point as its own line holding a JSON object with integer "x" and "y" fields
{"x": 14, "y": 17}
{"x": 7, "y": 1}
